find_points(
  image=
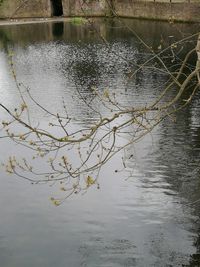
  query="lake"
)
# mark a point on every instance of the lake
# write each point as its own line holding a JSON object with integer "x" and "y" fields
{"x": 147, "y": 215}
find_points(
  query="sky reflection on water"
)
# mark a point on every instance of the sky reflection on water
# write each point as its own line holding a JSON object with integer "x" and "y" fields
{"x": 140, "y": 217}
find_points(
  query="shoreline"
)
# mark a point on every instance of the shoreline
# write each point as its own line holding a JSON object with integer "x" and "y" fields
{"x": 6, "y": 22}
{"x": 21, "y": 21}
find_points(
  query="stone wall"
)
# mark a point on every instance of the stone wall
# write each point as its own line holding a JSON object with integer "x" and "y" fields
{"x": 177, "y": 10}
{"x": 24, "y": 8}
{"x": 85, "y": 8}
{"x": 165, "y": 10}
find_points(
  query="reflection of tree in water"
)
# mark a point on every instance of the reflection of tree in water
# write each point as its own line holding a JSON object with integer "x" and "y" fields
{"x": 5, "y": 41}
{"x": 58, "y": 29}
{"x": 86, "y": 74}
{"x": 195, "y": 177}
{"x": 179, "y": 148}
{"x": 195, "y": 258}
{"x": 86, "y": 77}
{"x": 118, "y": 251}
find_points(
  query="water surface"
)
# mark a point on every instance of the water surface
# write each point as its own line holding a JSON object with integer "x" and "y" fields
{"x": 145, "y": 220}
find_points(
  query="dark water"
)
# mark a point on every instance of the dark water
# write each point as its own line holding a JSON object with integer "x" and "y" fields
{"x": 150, "y": 219}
